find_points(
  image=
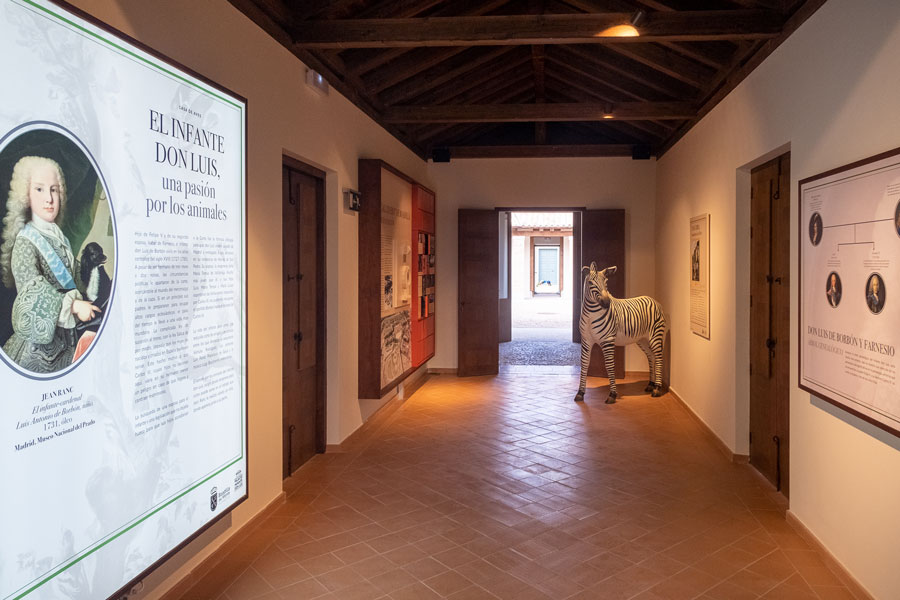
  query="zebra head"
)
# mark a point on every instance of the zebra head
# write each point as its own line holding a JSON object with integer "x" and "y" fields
{"x": 595, "y": 288}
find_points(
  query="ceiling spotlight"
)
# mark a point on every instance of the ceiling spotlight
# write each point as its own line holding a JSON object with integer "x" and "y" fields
{"x": 608, "y": 112}
{"x": 626, "y": 29}
{"x": 619, "y": 31}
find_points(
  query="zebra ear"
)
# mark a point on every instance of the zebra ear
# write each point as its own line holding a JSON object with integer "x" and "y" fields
{"x": 593, "y": 267}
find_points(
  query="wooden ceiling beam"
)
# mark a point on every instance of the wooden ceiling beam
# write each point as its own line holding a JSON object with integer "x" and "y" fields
{"x": 537, "y": 66}
{"x": 740, "y": 69}
{"x": 467, "y": 89}
{"x": 274, "y": 27}
{"x": 616, "y": 133}
{"x": 588, "y": 135}
{"x": 668, "y": 63}
{"x": 512, "y": 113}
{"x": 396, "y": 9}
{"x": 596, "y": 6}
{"x": 544, "y": 151}
{"x": 329, "y": 9}
{"x": 611, "y": 86}
{"x": 633, "y": 134}
{"x": 409, "y": 66}
{"x": 701, "y": 57}
{"x": 629, "y": 70}
{"x": 655, "y": 5}
{"x": 656, "y": 128}
{"x": 374, "y": 60}
{"x": 471, "y": 8}
{"x": 592, "y": 133}
{"x": 653, "y": 128}
{"x": 540, "y": 90}
{"x": 456, "y": 67}
{"x": 769, "y": 4}
{"x": 506, "y": 93}
{"x": 509, "y": 30}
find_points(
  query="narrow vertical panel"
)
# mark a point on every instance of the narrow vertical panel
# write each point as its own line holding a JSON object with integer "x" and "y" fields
{"x": 478, "y": 327}
{"x": 603, "y": 242}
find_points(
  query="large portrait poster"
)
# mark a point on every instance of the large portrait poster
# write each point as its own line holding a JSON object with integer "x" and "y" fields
{"x": 699, "y": 256}
{"x": 850, "y": 288}
{"x": 122, "y": 305}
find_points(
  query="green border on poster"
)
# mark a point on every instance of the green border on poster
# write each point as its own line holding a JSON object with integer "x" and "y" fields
{"x": 241, "y": 107}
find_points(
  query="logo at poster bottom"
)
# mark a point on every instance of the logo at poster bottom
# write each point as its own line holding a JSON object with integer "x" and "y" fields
{"x": 213, "y": 498}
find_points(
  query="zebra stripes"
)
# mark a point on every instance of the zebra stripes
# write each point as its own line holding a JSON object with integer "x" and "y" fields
{"x": 609, "y": 322}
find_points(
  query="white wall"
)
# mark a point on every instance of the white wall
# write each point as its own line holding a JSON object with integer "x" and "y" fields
{"x": 588, "y": 182}
{"x": 284, "y": 117}
{"x": 829, "y": 94}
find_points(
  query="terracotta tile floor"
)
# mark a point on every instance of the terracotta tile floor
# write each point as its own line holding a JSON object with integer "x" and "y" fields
{"x": 503, "y": 487}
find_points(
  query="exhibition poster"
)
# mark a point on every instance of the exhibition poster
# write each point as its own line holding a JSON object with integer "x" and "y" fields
{"x": 699, "y": 257}
{"x": 122, "y": 305}
{"x": 850, "y": 279}
{"x": 396, "y": 276}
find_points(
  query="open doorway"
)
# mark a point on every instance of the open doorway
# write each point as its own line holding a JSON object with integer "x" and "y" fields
{"x": 541, "y": 283}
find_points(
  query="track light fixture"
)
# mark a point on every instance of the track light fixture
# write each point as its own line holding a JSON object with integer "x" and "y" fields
{"x": 638, "y": 18}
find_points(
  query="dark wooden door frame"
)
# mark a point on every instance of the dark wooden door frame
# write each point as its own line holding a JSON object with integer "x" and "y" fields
{"x": 576, "y": 254}
{"x": 321, "y": 296}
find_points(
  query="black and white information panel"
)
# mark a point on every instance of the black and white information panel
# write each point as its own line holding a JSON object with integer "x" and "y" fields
{"x": 850, "y": 288}
{"x": 122, "y": 305}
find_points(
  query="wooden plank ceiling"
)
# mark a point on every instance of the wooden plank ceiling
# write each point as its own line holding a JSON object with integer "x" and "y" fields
{"x": 506, "y": 78}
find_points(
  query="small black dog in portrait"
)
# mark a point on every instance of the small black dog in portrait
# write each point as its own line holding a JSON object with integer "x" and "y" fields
{"x": 97, "y": 283}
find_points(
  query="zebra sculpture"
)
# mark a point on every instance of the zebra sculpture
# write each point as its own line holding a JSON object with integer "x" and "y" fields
{"x": 608, "y": 322}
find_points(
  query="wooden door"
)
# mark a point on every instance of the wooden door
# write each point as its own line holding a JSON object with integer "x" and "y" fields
{"x": 478, "y": 289}
{"x": 770, "y": 240}
{"x": 303, "y": 398}
{"x": 577, "y": 281}
{"x": 504, "y": 304}
{"x": 603, "y": 242}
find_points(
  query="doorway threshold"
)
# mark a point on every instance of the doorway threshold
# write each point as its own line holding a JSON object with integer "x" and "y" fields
{"x": 541, "y": 369}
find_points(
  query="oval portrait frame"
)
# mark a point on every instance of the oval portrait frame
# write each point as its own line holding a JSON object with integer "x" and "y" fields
{"x": 897, "y": 219}
{"x": 840, "y": 287}
{"x": 57, "y": 129}
{"x": 883, "y": 287}
{"x": 816, "y": 217}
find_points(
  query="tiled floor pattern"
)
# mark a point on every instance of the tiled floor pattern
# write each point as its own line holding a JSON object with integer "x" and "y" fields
{"x": 503, "y": 487}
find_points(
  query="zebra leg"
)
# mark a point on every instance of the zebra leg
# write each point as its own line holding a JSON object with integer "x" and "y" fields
{"x": 657, "y": 346}
{"x": 651, "y": 358}
{"x": 609, "y": 359}
{"x": 585, "y": 362}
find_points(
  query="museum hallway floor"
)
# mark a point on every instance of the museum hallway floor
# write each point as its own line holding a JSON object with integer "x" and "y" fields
{"x": 503, "y": 487}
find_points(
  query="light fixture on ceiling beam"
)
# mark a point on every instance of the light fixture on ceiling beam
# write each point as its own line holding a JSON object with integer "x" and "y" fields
{"x": 608, "y": 112}
{"x": 626, "y": 29}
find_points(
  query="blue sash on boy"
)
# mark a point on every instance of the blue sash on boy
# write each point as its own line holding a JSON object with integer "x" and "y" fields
{"x": 53, "y": 260}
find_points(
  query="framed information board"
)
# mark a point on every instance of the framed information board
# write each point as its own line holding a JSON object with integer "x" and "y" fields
{"x": 850, "y": 288}
{"x": 700, "y": 275}
{"x": 122, "y": 305}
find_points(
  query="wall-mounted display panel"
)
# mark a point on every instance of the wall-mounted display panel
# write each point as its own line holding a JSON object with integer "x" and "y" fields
{"x": 396, "y": 254}
{"x": 423, "y": 321}
{"x": 122, "y": 305}
{"x": 849, "y": 280}
{"x": 699, "y": 258}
